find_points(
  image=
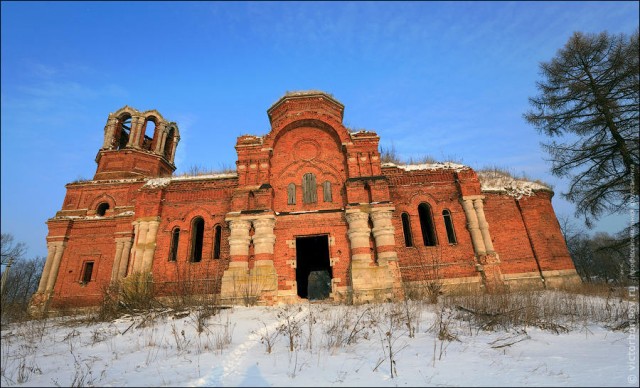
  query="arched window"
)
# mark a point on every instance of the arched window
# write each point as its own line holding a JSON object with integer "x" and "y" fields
{"x": 406, "y": 228}
{"x": 448, "y": 223}
{"x": 175, "y": 238}
{"x": 291, "y": 194}
{"x": 309, "y": 192}
{"x": 123, "y": 132}
{"x": 102, "y": 209}
{"x": 426, "y": 224}
{"x": 197, "y": 234}
{"x": 326, "y": 191}
{"x": 217, "y": 238}
{"x": 149, "y": 128}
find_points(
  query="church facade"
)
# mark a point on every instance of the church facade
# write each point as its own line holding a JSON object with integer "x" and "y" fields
{"x": 309, "y": 200}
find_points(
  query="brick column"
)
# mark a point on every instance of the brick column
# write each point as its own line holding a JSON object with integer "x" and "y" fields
{"x": 121, "y": 260}
{"x": 162, "y": 138}
{"x": 116, "y": 260}
{"x": 173, "y": 150}
{"x": 124, "y": 259}
{"x": 384, "y": 234}
{"x": 53, "y": 273}
{"x": 359, "y": 233}
{"x": 141, "y": 229}
{"x": 483, "y": 225}
{"x": 264, "y": 275}
{"x": 150, "y": 245}
{"x": 472, "y": 225}
{"x": 488, "y": 261}
{"x": 134, "y": 135}
{"x": 239, "y": 240}
{"x": 264, "y": 239}
{"x": 109, "y": 132}
{"x": 236, "y": 283}
{"x": 44, "y": 278}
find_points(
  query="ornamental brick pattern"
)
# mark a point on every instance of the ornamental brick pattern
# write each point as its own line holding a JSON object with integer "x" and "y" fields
{"x": 308, "y": 196}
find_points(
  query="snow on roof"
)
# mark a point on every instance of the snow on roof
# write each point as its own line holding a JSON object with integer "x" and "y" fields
{"x": 502, "y": 182}
{"x": 428, "y": 166}
{"x": 162, "y": 182}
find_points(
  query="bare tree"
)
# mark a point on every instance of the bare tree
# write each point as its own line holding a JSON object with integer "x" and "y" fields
{"x": 597, "y": 258}
{"x": 590, "y": 97}
{"x": 9, "y": 250}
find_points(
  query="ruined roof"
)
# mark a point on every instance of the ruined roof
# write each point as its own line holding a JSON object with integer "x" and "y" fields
{"x": 498, "y": 181}
{"x": 428, "y": 166}
{"x": 305, "y": 94}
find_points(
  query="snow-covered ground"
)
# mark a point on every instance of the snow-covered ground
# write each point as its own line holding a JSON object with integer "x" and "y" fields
{"x": 333, "y": 345}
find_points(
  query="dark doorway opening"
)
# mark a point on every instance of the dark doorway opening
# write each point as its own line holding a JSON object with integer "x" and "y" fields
{"x": 312, "y": 262}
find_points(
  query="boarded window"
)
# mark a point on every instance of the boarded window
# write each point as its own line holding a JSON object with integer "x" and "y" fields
{"x": 448, "y": 223}
{"x": 175, "y": 238}
{"x": 426, "y": 224}
{"x": 197, "y": 234}
{"x": 291, "y": 194}
{"x": 406, "y": 228}
{"x": 87, "y": 272}
{"x": 326, "y": 191}
{"x": 217, "y": 238}
{"x": 309, "y": 192}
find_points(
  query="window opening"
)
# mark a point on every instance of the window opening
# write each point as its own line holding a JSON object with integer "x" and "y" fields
{"x": 102, "y": 209}
{"x": 125, "y": 132}
{"x": 197, "y": 234}
{"x": 426, "y": 224}
{"x": 175, "y": 238}
{"x": 309, "y": 192}
{"x": 149, "y": 128}
{"x": 406, "y": 228}
{"x": 87, "y": 272}
{"x": 217, "y": 237}
{"x": 448, "y": 223}
{"x": 291, "y": 194}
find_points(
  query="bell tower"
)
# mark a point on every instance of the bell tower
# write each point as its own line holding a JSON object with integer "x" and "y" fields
{"x": 137, "y": 144}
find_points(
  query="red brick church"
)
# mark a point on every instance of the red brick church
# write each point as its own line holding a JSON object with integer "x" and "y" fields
{"x": 310, "y": 197}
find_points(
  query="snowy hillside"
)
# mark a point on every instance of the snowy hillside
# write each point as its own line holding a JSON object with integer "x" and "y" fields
{"x": 544, "y": 339}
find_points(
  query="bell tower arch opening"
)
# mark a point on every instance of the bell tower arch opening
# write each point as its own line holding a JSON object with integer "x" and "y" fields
{"x": 313, "y": 268}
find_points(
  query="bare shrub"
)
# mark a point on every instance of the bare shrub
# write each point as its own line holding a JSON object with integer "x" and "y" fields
{"x": 388, "y": 319}
{"x": 555, "y": 311}
{"x": 137, "y": 293}
{"x": 291, "y": 327}
{"x": 268, "y": 337}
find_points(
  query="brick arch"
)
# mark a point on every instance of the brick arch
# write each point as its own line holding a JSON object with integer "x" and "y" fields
{"x": 125, "y": 110}
{"x": 153, "y": 113}
{"x": 322, "y": 168}
{"x": 337, "y": 131}
{"x": 185, "y": 221}
{"x": 420, "y": 196}
{"x": 101, "y": 199}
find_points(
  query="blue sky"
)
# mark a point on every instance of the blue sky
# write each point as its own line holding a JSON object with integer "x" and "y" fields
{"x": 446, "y": 79}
